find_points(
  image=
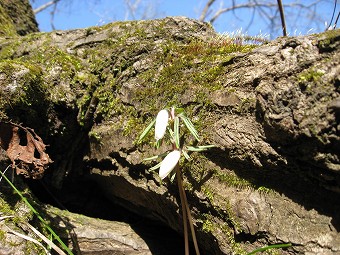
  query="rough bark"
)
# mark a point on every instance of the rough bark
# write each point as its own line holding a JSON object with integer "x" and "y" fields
{"x": 16, "y": 18}
{"x": 271, "y": 110}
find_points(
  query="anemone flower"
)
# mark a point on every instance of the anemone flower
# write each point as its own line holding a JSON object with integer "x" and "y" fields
{"x": 161, "y": 124}
{"x": 169, "y": 163}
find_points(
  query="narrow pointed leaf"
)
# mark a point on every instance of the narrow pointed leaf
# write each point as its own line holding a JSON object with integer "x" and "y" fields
{"x": 158, "y": 143}
{"x": 171, "y": 132}
{"x": 157, "y": 156}
{"x": 176, "y": 131}
{"x": 172, "y": 135}
{"x": 155, "y": 167}
{"x": 172, "y": 178}
{"x": 186, "y": 155}
{"x": 274, "y": 246}
{"x": 146, "y": 131}
{"x": 200, "y": 148}
{"x": 190, "y": 126}
{"x": 151, "y": 158}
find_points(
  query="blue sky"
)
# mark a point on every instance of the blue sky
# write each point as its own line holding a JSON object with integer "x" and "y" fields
{"x": 72, "y": 14}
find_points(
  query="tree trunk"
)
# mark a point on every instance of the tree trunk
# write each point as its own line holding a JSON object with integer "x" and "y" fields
{"x": 271, "y": 110}
{"x": 16, "y": 17}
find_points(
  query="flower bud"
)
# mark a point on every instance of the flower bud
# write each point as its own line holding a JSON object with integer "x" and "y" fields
{"x": 169, "y": 163}
{"x": 161, "y": 124}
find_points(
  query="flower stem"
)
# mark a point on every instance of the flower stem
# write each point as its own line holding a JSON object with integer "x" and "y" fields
{"x": 187, "y": 215}
{"x": 184, "y": 202}
{"x": 184, "y": 211}
{"x": 190, "y": 223}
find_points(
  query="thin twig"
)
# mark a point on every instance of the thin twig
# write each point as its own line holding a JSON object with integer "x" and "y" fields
{"x": 28, "y": 238}
{"x": 205, "y": 10}
{"x": 260, "y": 4}
{"x": 45, "y": 6}
{"x": 46, "y": 240}
{"x": 334, "y": 9}
{"x": 282, "y": 15}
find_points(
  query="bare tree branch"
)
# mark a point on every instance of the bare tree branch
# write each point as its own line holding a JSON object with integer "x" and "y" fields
{"x": 282, "y": 15}
{"x": 269, "y": 10}
{"x": 52, "y": 15}
{"x": 330, "y": 23}
{"x": 45, "y": 6}
{"x": 206, "y": 8}
{"x": 132, "y": 7}
{"x": 139, "y": 9}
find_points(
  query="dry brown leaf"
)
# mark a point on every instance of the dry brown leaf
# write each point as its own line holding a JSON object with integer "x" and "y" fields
{"x": 25, "y": 149}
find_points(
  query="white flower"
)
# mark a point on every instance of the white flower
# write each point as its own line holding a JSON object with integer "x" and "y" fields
{"x": 169, "y": 163}
{"x": 161, "y": 124}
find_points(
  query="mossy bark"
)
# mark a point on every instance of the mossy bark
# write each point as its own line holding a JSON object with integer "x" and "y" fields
{"x": 16, "y": 18}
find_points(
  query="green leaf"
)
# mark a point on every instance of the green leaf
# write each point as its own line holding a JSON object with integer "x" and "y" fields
{"x": 158, "y": 143}
{"x": 200, "y": 148}
{"x": 179, "y": 111}
{"x": 146, "y": 131}
{"x": 171, "y": 132}
{"x": 155, "y": 167}
{"x": 274, "y": 246}
{"x": 176, "y": 131}
{"x": 186, "y": 155}
{"x": 151, "y": 158}
{"x": 162, "y": 155}
{"x": 173, "y": 177}
{"x": 190, "y": 126}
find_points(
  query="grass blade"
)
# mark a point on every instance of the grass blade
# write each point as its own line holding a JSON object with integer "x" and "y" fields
{"x": 155, "y": 167}
{"x": 274, "y": 246}
{"x": 62, "y": 244}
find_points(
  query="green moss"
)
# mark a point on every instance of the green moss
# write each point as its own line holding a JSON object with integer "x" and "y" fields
{"x": 7, "y": 27}
{"x": 23, "y": 91}
{"x": 23, "y": 80}
{"x": 95, "y": 136}
{"x": 2, "y": 236}
{"x": 207, "y": 221}
{"x": 193, "y": 65}
{"x": 12, "y": 205}
{"x": 196, "y": 66}
{"x": 51, "y": 57}
{"x": 310, "y": 75}
{"x": 232, "y": 180}
{"x": 265, "y": 190}
{"x": 5, "y": 209}
{"x": 8, "y": 49}
{"x": 327, "y": 39}
{"x": 221, "y": 229}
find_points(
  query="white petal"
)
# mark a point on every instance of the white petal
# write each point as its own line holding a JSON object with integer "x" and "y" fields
{"x": 161, "y": 123}
{"x": 169, "y": 163}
